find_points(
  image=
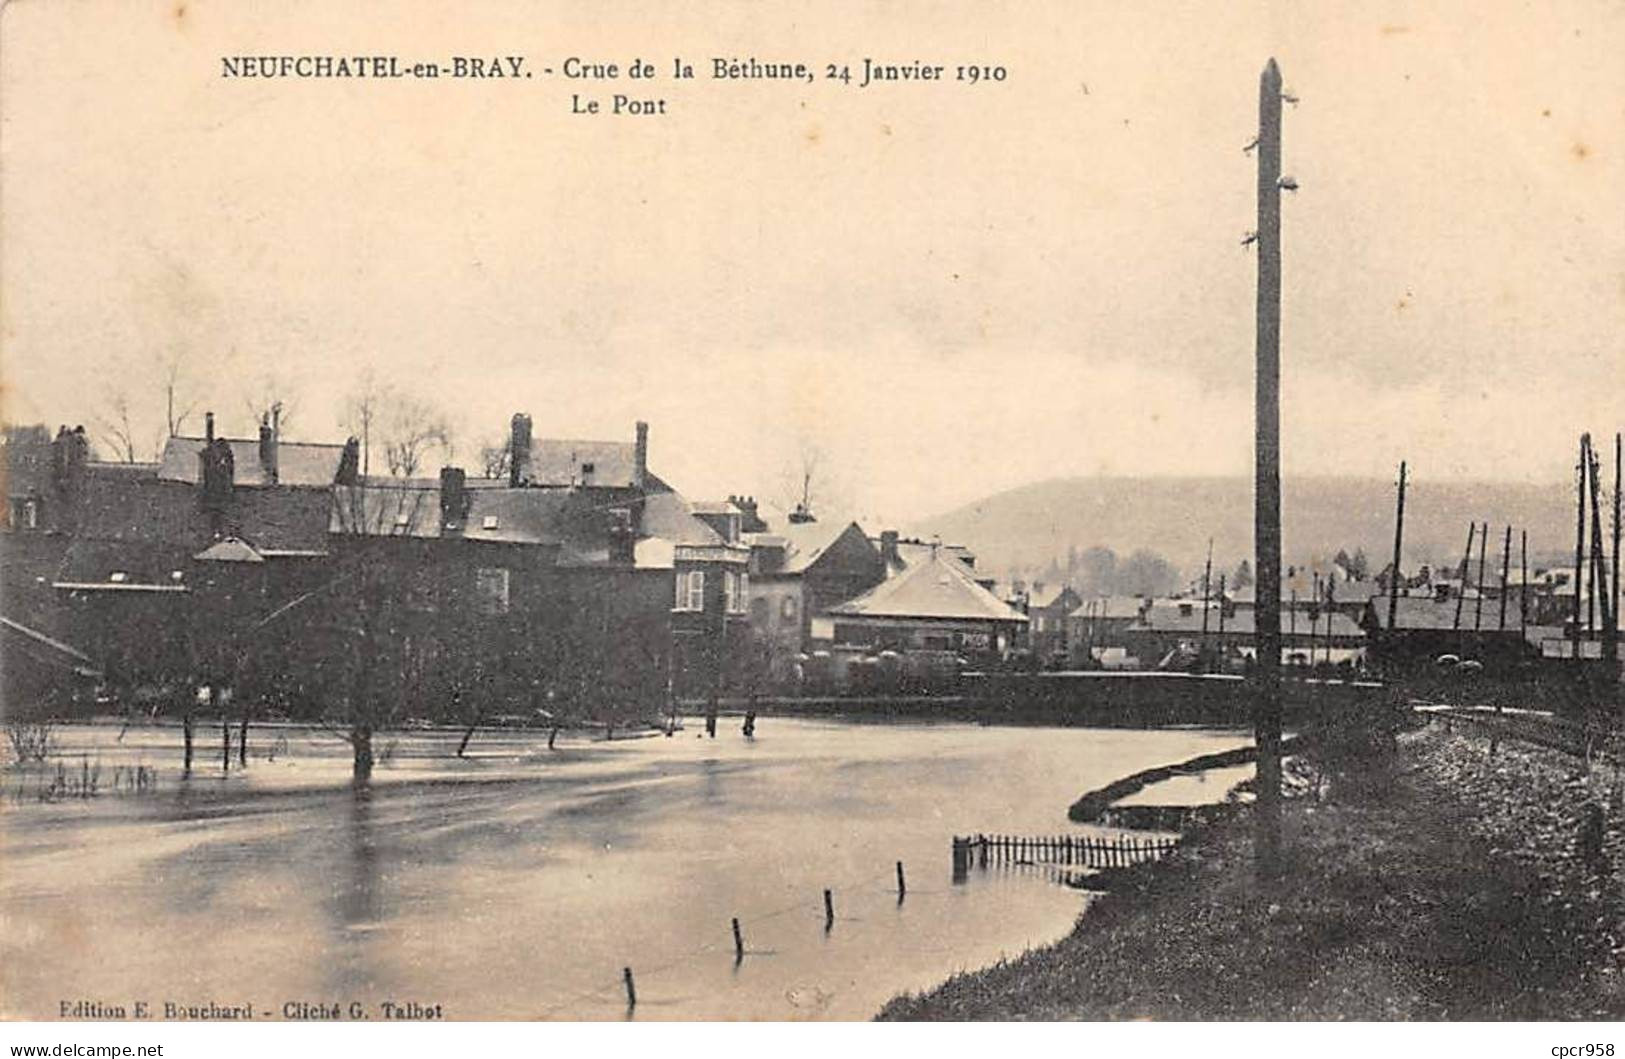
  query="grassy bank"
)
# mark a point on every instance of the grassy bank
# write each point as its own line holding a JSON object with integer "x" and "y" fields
{"x": 1447, "y": 882}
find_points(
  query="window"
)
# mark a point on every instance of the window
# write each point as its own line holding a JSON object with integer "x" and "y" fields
{"x": 31, "y": 514}
{"x": 730, "y": 592}
{"x": 788, "y": 608}
{"x": 489, "y": 522}
{"x": 741, "y": 598}
{"x": 491, "y": 590}
{"x": 691, "y": 590}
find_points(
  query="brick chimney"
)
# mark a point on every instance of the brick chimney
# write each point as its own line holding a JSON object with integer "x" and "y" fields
{"x": 519, "y": 450}
{"x": 622, "y": 540}
{"x": 349, "y": 471}
{"x": 217, "y": 469}
{"x": 268, "y": 446}
{"x": 750, "y": 521}
{"x": 888, "y": 547}
{"x": 640, "y": 456}
{"x": 453, "y": 497}
{"x": 70, "y": 451}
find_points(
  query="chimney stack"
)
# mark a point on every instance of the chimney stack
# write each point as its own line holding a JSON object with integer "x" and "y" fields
{"x": 349, "y": 463}
{"x": 622, "y": 540}
{"x": 640, "y": 456}
{"x": 453, "y": 497}
{"x": 208, "y": 427}
{"x": 519, "y": 450}
{"x": 268, "y": 446}
{"x": 888, "y": 547}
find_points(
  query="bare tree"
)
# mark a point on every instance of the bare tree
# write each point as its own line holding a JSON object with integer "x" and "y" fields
{"x": 270, "y": 402}
{"x": 495, "y": 458}
{"x": 412, "y": 430}
{"x": 362, "y": 410}
{"x": 804, "y": 480}
{"x": 178, "y": 406}
{"x": 116, "y": 427}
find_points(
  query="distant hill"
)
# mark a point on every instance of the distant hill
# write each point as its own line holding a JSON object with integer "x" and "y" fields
{"x": 1023, "y": 529}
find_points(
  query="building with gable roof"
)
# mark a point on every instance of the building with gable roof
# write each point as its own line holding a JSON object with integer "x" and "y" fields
{"x": 798, "y": 571}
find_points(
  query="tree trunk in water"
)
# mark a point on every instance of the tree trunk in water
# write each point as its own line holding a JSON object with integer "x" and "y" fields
{"x": 186, "y": 732}
{"x": 552, "y": 734}
{"x": 225, "y": 745}
{"x": 361, "y": 739}
{"x": 468, "y": 735}
{"x": 242, "y": 742}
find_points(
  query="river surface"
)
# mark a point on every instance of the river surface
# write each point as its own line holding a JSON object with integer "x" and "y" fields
{"x": 517, "y": 882}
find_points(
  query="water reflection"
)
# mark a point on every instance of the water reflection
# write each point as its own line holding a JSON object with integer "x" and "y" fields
{"x": 521, "y": 883}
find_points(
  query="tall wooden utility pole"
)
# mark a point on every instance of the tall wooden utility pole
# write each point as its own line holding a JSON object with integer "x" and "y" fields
{"x": 1267, "y": 478}
{"x": 1523, "y": 585}
{"x": 1466, "y": 564}
{"x": 1506, "y": 574}
{"x": 1602, "y": 595}
{"x": 1610, "y": 647}
{"x": 1207, "y": 583}
{"x": 1579, "y": 539}
{"x": 1478, "y": 609}
{"x": 1399, "y": 540}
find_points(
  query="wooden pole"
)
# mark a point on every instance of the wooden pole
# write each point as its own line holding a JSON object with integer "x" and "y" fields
{"x": 829, "y": 909}
{"x": 1579, "y": 540}
{"x": 1399, "y": 540}
{"x": 1611, "y": 643}
{"x": 1267, "y": 478}
{"x": 1207, "y": 582}
{"x": 631, "y": 990}
{"x": 1483, "y": 547}
{"x": 1506, "y": 573}
{"x": 902, "y": 886}
{"x": 1602, "y": 595}
{"x": 739, "y": 941}
{"x": 1523, "y": 590}
{"x": 1466, "y": 563}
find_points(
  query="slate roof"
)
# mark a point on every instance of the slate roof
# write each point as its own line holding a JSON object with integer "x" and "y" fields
{"x": 910, "y": 552}
{"x": 574, "y": 521}
{"x": 1423, "y": 612}
{"x": 298, "y": 462}
{"x": 937, "y": 587}
{"x": 1107, "y": 607}
{"x": 565, "y": 462}
{"x": 1045, "y": 596}
{"x": 1240, "y": 623}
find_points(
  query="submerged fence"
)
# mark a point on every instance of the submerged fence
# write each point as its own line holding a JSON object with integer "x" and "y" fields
{"x": 1084, "y": 851}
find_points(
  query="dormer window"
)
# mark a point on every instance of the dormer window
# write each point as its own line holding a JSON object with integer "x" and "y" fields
{"x": 118, "y": 577}
{"x": 488, "y": 522}
{"x": 403, "y": 519}
{"x": 587, "y": 468}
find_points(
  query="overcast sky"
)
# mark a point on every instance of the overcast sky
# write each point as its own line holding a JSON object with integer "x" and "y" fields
{"x": 947, "y": 289}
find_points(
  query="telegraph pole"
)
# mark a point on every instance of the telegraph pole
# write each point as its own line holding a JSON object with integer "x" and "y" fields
{"x": 1399, "y": 539}
{"x": 1267, "y": 475}
{"x": 1483, "y": 545}
{"x": 1506, "y": 573}
{"x": 1579, "y": 541}
{"x": 1610, "y": 649}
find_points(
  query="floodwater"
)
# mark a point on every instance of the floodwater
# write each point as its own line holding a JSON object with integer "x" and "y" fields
{"x": 516, "y": 883}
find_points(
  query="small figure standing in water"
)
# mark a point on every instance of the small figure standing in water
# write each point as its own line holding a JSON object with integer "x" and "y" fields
{"x": 750, "y": 724}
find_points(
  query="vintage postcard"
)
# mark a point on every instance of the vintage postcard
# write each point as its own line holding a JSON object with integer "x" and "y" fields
{"x": 552, "y": 510}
